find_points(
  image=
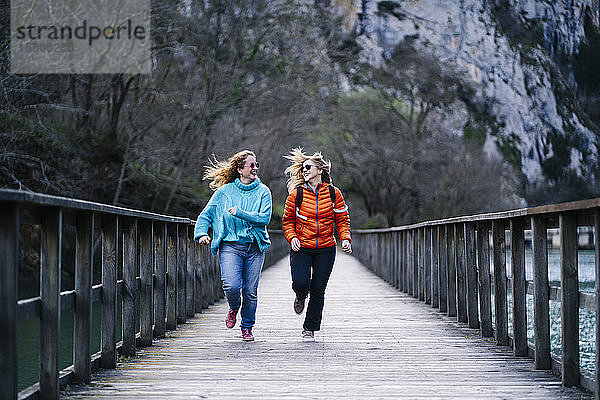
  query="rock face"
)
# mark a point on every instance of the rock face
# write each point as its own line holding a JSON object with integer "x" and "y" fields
{"x": 508, "y": 47}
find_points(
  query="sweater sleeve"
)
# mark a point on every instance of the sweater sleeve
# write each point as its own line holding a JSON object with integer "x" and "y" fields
{"x": 262, "y": 217}
{"x": 342, "y": 217}
{"x": 289, "y": 216}
{"x": 206, "y": 217}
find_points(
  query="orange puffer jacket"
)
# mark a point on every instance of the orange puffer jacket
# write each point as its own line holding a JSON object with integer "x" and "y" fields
{"x": 313, "y": 222}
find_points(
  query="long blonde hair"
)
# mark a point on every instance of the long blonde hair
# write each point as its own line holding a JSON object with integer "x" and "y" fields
{"x": 298, "y": 158}
{"x": 222, "y": 172}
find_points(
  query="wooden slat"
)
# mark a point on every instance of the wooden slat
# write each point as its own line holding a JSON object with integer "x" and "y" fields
{"x": 145, "y": 229}
{"x": 451, "y": 238}
{"x": 427, "y": 262}
{"x": 160, "y": 324}
{"x": 435, "y": 283}
{"x": 570, "y": 299}
{"x": 172, "y": 277}
{"x": 443, "y": 265}
{"x": 485, "y": 290}
{"x": 190, "y": 278}
{"x": 129, "y": 287}
{"x": 518, "y": 287}
{"x": 50, "y": 260}
{"x": 411, "y": 260}
{"x": 500, "y": 283}
{"x": 597, "y": 301}
{"x": 421, "y": 260}
{"x": 541, "y": 308}
{"x": 471, "y": 270}
{"x": 83, "y": 288}
{"x": 461, "y": 273}
{"x": 201, "y": 276}
{"x": 181, "y": 273}
{"x": 9, "y": 276}
{"x": 110, "y": 227}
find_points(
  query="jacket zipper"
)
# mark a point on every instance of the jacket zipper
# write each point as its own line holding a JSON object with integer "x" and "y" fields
{"x": 317, "y": 194}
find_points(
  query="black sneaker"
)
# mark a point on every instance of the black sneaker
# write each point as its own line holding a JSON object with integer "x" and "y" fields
{"x": 299, "y": 305}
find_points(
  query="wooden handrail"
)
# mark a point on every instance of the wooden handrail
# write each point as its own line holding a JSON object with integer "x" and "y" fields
{"x": 170, "y": 275}
{"x": 445, "y": 263}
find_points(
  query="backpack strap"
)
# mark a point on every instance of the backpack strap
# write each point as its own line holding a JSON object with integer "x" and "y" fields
{"x": 332, "y": 194}
{"x": 299, "y": 196}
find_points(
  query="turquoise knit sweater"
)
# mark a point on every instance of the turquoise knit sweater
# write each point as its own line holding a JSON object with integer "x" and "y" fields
{"x": 250, "y": 222}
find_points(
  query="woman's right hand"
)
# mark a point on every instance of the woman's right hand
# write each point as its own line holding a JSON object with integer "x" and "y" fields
{"x": 295, "y": 243}
{"x": 204, "y": 239}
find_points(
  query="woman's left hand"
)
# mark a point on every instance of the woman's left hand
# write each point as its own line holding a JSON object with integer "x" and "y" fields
{"x": 347, "y": 246}
{"x": 232, "y": 210}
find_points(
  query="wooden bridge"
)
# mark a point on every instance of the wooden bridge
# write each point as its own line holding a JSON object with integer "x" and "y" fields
{"x": 425, "y": 330}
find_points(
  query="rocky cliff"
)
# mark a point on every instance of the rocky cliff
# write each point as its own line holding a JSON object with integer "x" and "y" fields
{"x": 510, "y": 48}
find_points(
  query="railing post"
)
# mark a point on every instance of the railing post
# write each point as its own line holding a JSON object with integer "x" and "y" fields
{"x": 443, "y": 263}
{"x": 421, "y": 258}
{"x": 483, "y": 261}
{"x": 172, "y": 277}
{"x": 129, "y": 288}
{"x": 409, "y": 261}
{"x": 451, "y": 238}
{"x": 415, "y": 261}
{"x": 9, "y": 275}
{"x": 190, "y": 279}
{"x": 569, "y": 299}
{"x": 427, "y": 264}
{"x": 51, "y": 261}
{"x": 201, "y": 275}
{"x": 435, "y": 267}
{"x": 597, "y": 304}
{"x": 518, "y": 287}
{"x": 541, "y": 308}
{"x": 404, "y": 244}
{"x": 181, "y": 272}
{"x": 146, "y": 282}
{"x": 84, "y": 242}
{"x": 461, "y": 281}
{"x": 500, "y": 283}
{"x": 160, "y": 232}
{"x": 471, "y": 267}
{"x": 110, "y": 226}
{"x": 400, "y": 255}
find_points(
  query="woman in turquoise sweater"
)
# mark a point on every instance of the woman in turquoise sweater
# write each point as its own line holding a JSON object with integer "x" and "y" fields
{"x": 238, "y": 212}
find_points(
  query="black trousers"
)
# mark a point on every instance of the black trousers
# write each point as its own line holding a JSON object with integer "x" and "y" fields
{"x": 311, "y": 269}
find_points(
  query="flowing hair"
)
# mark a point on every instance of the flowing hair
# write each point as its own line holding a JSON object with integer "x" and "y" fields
{"x": 222, "y": 172}
{"x": 298, "y": 158}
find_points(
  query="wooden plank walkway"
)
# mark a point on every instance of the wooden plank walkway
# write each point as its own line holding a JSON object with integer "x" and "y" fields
{"x": 375, "y": 342}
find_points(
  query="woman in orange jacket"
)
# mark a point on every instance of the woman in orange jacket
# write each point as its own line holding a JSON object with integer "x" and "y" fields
{"x": 312, "y": 208}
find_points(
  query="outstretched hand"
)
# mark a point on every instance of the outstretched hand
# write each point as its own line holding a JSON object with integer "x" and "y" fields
{"x": 347, "y": 246}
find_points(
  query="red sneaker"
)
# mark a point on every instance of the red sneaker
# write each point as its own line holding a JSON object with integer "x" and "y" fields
{"x": 247, "y": 335}
{"x": 230, "y": 319}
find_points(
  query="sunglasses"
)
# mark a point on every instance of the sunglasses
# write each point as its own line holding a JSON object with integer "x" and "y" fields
{"x": 253, "y": 165}
{"x": 307, "y": 167}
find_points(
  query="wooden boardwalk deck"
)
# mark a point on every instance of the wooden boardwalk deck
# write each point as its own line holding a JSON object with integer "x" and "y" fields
{"x": 375, "y": 342}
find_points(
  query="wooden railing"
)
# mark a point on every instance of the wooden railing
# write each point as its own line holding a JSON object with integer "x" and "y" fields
{"x": 446, "y": 263}
{"x": 148, "y": 261}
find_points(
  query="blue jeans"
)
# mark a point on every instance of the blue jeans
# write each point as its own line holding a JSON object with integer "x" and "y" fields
{"x": 241, "y": 264}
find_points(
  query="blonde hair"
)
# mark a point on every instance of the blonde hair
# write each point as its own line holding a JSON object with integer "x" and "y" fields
{"x": 298, "y": 158}
{"x": 223, "y": 172}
